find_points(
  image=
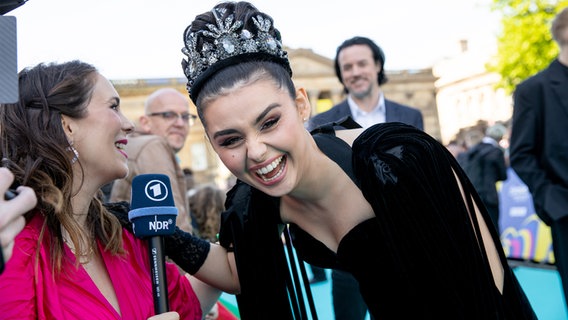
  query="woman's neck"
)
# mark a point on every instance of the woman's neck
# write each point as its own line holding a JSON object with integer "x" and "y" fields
{"x": 318, "y": 181}
{"x": 80, "y": 206}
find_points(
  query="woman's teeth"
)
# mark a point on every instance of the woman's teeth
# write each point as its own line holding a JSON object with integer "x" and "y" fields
{"x": 267, "y": 173}
{"x": 120, "y": 145}
{"x": 269, "y": 167}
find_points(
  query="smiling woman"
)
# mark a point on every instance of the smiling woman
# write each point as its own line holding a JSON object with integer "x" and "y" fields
{"x": 64, "y": 138}
{"x": 396, "y": 187}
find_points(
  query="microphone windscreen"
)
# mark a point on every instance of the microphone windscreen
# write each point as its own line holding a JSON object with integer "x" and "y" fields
{"x": 151, "y": 190}
{"x": 152, "y": 208}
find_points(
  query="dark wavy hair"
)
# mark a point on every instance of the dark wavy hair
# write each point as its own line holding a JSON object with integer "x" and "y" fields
{"x": 35, "y": 148}
{"x": 378, "y": 56}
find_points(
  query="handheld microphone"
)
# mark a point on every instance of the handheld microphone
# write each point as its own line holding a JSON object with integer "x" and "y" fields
{"x": 153, "y": 215}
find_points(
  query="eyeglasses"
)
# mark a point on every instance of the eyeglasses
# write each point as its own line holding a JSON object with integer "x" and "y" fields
{"x": 173, "y": 116}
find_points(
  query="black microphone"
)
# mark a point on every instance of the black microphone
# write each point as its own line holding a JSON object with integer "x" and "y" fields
{"x": 153, "y": 215}
{"x": 8, "y": 195}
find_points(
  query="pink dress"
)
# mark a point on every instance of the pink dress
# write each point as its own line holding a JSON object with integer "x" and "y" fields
{"x": 30, "y": 293}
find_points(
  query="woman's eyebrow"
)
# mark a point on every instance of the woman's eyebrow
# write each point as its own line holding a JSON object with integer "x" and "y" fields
{"x": 265, "y": 112}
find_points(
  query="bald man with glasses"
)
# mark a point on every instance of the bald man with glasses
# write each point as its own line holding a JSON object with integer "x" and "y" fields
{"x": 160, "y": 134}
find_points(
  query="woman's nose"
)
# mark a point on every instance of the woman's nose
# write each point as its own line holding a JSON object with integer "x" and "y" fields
{"x": 256, "y": 150}
{"x": 127, "y": 125}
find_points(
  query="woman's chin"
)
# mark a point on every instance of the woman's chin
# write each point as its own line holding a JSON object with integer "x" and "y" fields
{"x": 123, "y": 175}
{"x": 119, "y": 173}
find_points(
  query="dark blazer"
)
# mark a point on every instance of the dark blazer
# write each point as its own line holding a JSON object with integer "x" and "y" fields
{"x": 539, "y": 140}
{"x": 484, "y": 164}
{"x": 395, "y": 112}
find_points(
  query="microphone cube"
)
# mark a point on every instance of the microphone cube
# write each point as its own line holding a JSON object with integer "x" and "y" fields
{"x": 153, "y": 212}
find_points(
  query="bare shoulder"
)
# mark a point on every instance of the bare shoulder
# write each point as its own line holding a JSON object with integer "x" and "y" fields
{"x": 349, "y": 135}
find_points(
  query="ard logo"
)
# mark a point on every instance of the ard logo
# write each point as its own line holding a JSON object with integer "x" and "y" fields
{"x": 156, "y": 190}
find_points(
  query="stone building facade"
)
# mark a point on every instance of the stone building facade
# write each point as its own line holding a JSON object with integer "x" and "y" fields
{"x": 466, "y": 94}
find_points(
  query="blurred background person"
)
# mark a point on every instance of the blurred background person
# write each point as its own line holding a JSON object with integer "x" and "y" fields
{"x": 539, "y": 144}
{"x": 455, "y": 147}
{"x": 206, "y": 202}
{"x": 484, "y": 163}
{"x": 159, "y": 136}
{"x": 359, "y": 66}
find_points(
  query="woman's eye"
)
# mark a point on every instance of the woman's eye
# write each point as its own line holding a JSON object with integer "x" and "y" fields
{"x": 114, "y": 106}
{"x": 270, "y": 123}
{"x": 229, "y": 141}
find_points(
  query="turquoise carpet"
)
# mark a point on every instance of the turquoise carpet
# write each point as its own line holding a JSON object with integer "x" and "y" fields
{"x": 542, "y": 286}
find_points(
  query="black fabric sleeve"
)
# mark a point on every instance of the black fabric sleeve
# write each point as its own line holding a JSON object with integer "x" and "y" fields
{"x": 329, "y": 128}
{"x": 187, "y": 251}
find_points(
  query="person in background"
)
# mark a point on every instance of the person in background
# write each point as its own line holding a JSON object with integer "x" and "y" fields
{"x": 161, "y": 134}
{"x": 484, "y": 163}
{"x": 388, "y": 204}
{"x": 360, "y": 67}
{"x": 206, "y": 202}
{"x": 456, "y": 148}
{"x": 12, "y": 213}
{"x": 538, "y": 149}
{"x": 65, "y": 139}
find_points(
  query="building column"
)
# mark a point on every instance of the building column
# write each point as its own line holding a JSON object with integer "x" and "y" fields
{"x": 313, "y": 95}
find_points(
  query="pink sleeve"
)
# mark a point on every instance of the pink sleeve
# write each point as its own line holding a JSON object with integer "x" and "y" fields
{"x": 182, "y": 298}
{"x": 17, "y": 281}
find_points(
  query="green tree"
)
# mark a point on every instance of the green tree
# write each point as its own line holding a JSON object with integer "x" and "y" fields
{"x": 524, "y": 45}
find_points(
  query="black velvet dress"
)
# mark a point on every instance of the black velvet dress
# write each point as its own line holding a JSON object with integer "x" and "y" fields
{"x": 420, "y": 257}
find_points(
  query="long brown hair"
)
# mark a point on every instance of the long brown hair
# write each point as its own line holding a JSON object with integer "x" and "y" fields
{"x": 35, "y": 147}
{"x": 206, "y": 202}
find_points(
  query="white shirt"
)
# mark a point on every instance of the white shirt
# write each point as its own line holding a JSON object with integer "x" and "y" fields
{"x": 490, "y": 140}
{"x": 367, "y": 119}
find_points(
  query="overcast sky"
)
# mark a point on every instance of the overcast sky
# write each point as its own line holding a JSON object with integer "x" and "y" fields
{"x": 140, "y": 39}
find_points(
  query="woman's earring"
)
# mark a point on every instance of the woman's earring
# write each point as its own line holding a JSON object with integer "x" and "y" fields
{"x": 75, "y": 152}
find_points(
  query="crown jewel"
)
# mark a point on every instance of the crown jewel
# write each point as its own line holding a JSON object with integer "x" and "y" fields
{"x": 227, "y": 42}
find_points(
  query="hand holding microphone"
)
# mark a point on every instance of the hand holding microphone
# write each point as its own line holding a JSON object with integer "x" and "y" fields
{"x": 153, "y": 214}
{"x": 12, "y": 208}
